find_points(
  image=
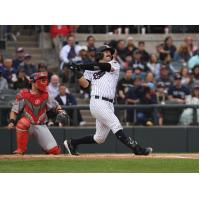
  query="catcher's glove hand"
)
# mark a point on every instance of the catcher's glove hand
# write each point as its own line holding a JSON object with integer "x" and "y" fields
{"x": 63, "y": 118}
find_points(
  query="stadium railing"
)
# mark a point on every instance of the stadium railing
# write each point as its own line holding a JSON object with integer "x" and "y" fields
{"x": 5, "y": 109}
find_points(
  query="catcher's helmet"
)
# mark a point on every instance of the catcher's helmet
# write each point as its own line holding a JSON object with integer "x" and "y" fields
{"x": 100, "y": 50}
{"x": 38, "y": 75}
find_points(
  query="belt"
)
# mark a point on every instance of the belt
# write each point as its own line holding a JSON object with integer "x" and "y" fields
{"x": 104, "y": 98}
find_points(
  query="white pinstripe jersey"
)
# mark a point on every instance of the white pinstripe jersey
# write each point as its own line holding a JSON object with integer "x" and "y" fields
{"x": 104, "y": 83}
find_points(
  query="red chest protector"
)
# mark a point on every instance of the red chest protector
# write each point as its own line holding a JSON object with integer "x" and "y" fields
{"x": 35, "y": 106}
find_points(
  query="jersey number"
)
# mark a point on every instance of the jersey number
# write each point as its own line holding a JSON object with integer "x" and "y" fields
{"x": 98, "y": 75}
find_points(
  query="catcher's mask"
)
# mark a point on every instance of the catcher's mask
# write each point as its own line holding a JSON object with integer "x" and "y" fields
{"x": 40, "y": 79}
{"x": 100, "y": 50}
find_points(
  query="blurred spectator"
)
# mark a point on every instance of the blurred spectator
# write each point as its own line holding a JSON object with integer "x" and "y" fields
{"x": 168, "y": 46}
{"x": 8, "y": 71}
{"x": 187, "y": 115}
{"x": 91, "y": 42}
{"x": 29, "y": 68}
{"x": 147, "y": 116}
{"x": 3, "y": 81}
{"x": 123, "y": 86}
{"x": 83, "y": 55}
{"x": 144, "y": 54}
{"x": 1, "y": 59}
{"x": 177, "y": 93}
{"x": 186, "y": 78}
{"x": 19, "y": 58}
{"x": 195, "y": 75}
{"x": 21, "y": 81}
{"x": 137, "y": 60}
{"x": 161, "y": 97}
{"x": 42, "y": 67}
{"x": 53, "y": 87}
{"x": 134, "y": 95}
{"x": 165, "y": 57}
{"x": 92, "y": 54}
{"x": 69, "y": 51}
{"x": 138, "y": 72}
{"x": 130, "y": 48}
{"x": 121, "y": 49}
{"x": 65, "y": 98}
{"x": 128, "y": 63}
{"x": 161, "y": 93}
{"x": 164, "y": 77}
{"x": 189, "y": 43}
{"x": 194, "y": 60}
{"x": 183, "y": 54}
{"x": 59, "y": 35}
{"x": 149, "y": 78}
{"x": 153, "y": 65}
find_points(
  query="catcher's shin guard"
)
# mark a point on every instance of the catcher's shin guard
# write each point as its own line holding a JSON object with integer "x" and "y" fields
{"x": 22, "y": 135}
{"x": 55, "y": 150}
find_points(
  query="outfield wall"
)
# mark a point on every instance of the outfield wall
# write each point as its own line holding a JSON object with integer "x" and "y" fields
{"x": 165, "y": 139}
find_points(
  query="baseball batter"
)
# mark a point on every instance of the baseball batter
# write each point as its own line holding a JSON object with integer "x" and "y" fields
{"x": 103, "y": 77}
{"x": 34, "y": 103}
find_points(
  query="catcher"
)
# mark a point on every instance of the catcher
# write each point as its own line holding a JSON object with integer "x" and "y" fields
{"x": 34, "y": 103}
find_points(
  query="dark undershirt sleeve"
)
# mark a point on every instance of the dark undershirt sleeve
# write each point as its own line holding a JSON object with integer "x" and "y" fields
{"x": 96, "y": 66}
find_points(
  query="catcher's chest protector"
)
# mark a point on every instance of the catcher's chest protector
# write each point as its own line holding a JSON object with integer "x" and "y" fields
{"x": 35, "y": 107}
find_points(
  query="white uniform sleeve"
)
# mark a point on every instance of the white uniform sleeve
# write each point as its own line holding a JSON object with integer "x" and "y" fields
{"x": 64, "y": 54}
{"x": 17, "y": 106}
{"x": 52, "y": 103}
{"x": 88, "y": 75}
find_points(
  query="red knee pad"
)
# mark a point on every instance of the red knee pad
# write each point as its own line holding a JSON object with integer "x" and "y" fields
{"x": 23, "y": 125}
{"x": 55, "y": 150}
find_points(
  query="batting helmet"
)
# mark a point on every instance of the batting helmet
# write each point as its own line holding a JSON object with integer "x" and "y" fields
{"x": 100, "y": 50}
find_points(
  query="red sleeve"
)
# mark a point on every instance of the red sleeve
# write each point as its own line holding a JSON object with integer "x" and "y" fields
{"x": 21, "y": 94}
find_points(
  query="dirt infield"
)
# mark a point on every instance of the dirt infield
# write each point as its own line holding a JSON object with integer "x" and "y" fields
{"x": 102, "y": 156}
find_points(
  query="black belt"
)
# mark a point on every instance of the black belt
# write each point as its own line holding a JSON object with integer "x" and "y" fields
{"x": 104, "y": 98}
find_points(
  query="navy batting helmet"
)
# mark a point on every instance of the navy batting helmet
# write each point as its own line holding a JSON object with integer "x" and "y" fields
{"x": 100, "y": 50}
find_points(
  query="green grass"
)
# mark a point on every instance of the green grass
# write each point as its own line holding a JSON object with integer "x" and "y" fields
{"x": 100, "y": 165}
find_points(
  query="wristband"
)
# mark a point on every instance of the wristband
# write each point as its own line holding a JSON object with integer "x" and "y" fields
{"x": 12, "y": 121}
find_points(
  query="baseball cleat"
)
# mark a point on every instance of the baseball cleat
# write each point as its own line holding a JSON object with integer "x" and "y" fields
{"x": 70, "y": 148}
{"x": 138, "y": 150}
{"x": 18, "y": 152}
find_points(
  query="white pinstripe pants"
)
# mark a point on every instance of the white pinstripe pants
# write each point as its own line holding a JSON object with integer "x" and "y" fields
{"x": 106, "y": 120}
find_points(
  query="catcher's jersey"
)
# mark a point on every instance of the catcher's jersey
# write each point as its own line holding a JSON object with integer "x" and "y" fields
{"x": 104, "y": 83}
{"x": 34, "y": 105}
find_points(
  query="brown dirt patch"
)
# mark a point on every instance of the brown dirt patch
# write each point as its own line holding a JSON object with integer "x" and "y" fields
{"x": 102, "y": 156}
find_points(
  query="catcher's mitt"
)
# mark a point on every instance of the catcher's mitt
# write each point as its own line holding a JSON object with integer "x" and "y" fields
{"x": 63, "y": 118}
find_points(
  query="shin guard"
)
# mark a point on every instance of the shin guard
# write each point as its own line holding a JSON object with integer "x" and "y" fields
{"x": 22, "y": 135}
